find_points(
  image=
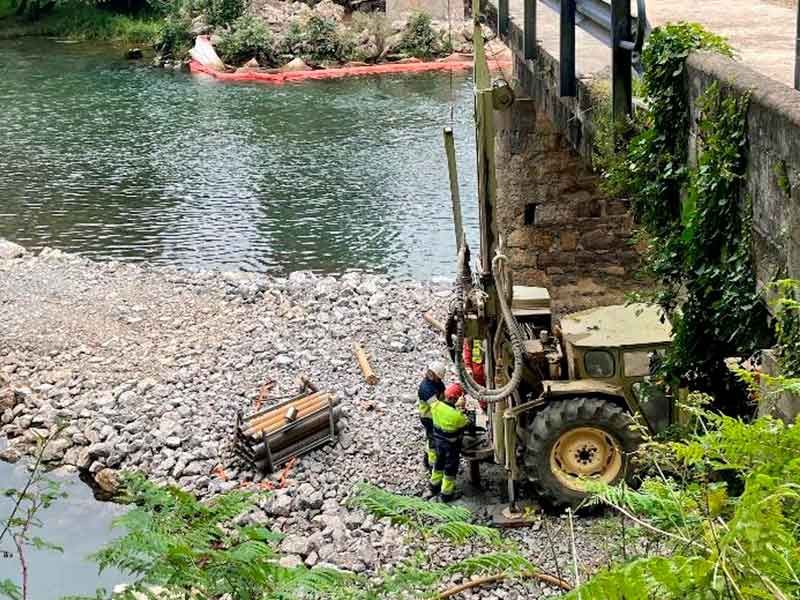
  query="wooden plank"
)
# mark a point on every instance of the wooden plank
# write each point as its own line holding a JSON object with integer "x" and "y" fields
{"x": 363, "y": 362}
{"x": 567, "y": 83}
{"x": 621, "y": 75}
{"x": 529, "y": 30}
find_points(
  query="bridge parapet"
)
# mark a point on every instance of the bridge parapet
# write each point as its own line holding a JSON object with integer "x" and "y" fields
{"x": 564, "y": 233}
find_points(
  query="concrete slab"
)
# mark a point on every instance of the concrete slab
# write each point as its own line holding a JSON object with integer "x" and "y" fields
{"x": 525, "y": 516}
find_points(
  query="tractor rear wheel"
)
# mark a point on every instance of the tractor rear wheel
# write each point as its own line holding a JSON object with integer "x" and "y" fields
{"x": 575, "y": 441}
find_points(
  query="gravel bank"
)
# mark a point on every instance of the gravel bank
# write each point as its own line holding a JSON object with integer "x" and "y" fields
{"x": 148, "y": 366}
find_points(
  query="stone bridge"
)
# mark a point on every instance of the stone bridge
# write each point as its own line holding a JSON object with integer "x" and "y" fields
{"x": 562, "y": 231}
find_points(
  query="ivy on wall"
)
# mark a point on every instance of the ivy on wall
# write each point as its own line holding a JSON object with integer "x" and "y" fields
{"x": 694, "y": 223}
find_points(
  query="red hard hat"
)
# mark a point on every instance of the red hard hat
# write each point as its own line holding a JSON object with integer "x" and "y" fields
{"x": 454, "y": 390}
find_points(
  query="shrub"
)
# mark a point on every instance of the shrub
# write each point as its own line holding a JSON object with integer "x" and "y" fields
{"x": 222, "y": 12}
{"x": 375, "y": 27}
{"x": 83, "y": 22}
{"x": 420, "y": 39}
{"x": 175, "y": 38}
{"x": 248, "y": 39}
{"x": 318, "y": 40}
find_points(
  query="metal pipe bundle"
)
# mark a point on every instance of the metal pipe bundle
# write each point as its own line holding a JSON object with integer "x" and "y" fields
{"x": 272, "y": 436}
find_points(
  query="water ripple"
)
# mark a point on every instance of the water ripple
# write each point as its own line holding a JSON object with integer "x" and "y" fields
{"x": 114, "y": 159}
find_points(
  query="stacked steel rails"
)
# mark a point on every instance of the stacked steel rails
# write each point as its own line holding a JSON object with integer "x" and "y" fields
{"x": 269, "y": 438}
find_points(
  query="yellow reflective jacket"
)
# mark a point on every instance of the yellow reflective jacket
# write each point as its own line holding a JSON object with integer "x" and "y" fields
{"x": 477, "y": 351}
{"x": 447, "y": 418}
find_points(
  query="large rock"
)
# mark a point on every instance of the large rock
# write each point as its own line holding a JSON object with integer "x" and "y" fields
{"x": 296, "y": 64}
{"x": 296, "y": 544}
{"x": 11, "y": 250}
{"x": 108, "y": 480}
{"x": 329, "y": 10}
{"x": 204, "y": 53}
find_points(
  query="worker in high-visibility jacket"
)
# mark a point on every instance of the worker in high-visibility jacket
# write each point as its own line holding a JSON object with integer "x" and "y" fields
{"x": 430, "y": 390}
{"x": 449, "y": 423}
{"x": 473, "y": 360}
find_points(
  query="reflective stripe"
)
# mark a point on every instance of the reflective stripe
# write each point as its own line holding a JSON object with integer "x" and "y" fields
{"x": 448, "y": 418}
{"x": 431, "y": 454}
{"x": 453, "y": 438}
{"x": 448, "y": 485}
{"x": 477, "y": 351}
{"x": 424, "y": 409}
{"x": 436, "y": 477}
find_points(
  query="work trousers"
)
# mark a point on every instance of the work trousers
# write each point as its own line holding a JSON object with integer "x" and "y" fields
{"x": 445, "y": 469}
{"x": 430, "y": 446}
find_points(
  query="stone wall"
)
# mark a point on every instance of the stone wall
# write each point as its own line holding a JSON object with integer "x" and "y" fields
{"x": 772, "y": 180}
{"x": 560, "y": 230}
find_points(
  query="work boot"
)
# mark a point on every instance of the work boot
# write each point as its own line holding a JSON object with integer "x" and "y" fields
{"x": 447, "y": 498}
{"x": 434, "y": 489}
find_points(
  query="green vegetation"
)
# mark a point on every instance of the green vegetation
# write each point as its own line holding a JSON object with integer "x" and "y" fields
{"x": 7, "y": 8}
{"x": 719, "y": 504}
{"x": 420, "y": 40}
{"x": 693, "y": 221}
{"x": 196, "y": 549}
{"x": 209, "y": 550}
{"x": 317, "y": 41}
{"x": 221, "y": 12}
{"x": 175, "y": 38}
{"x": 22, "y": 523}
{"x": 248, "y": 38}
{"x": 85, "y": 22}
{"x": 377, "y": 27}
{"x": 725, "y": 519}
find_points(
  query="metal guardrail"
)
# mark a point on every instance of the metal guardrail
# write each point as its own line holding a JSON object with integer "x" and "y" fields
{"x": 609, "y": 22}
{"x": 797, "y": 52}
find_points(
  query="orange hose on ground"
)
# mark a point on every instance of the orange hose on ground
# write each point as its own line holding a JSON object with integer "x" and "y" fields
{"x": 381, "y": 69}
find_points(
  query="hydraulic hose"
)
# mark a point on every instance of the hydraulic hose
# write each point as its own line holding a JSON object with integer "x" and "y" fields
{"x": 517, "y": 346}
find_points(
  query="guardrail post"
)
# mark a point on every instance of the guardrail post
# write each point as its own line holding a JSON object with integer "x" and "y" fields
{"x": 797, "y": 52}
{"x": 621, "y": 77}
{"x": 567, "y": 85}
{"x": 529, "y": 19}
{"x": 502, "y": 17}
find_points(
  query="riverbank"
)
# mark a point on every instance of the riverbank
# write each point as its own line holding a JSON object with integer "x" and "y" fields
{"x": 80, "y": 22}
{"x": 147, "y": 367}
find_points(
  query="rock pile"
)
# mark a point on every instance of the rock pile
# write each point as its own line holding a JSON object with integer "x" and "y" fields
{"x": 146, "y": 368}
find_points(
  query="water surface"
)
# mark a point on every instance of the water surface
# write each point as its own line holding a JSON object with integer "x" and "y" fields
{"x": 79, "y": 524}
{"x": 111, "y": 158}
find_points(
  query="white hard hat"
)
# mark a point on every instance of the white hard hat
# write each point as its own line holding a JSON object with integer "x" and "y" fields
{"x": 438, "y": 368}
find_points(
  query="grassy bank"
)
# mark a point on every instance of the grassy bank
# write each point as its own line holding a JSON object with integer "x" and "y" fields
{"x": 81, "y": 22}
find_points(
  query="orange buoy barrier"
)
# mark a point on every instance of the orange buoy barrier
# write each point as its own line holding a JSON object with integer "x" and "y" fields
{"x": 280, "y": 77}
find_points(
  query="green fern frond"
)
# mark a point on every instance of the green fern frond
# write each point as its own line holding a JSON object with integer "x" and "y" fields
{"x": 510, "y": 563}
{"x": 403, "y": 509}
{"x": 460, "y": 532}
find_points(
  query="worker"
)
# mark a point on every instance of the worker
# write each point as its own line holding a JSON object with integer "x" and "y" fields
{"x": 449, "y": 423}
{"x": 430, "y": 390}
{"x": 473, "y": 361}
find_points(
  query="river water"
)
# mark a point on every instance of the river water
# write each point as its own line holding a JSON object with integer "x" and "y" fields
{"x": 115, "y": 159}
{"x": 111, "y": 158}
{"x": 77, "y": 523}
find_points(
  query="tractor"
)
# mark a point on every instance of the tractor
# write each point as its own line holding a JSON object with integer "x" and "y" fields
{"x": 566, "y": 404}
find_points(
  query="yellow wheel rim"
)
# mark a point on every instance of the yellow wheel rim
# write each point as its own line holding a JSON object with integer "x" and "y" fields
{"x": 585, "y": 454}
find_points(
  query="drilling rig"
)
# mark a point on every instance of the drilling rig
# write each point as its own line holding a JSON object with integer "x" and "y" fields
{"x": 565, "y": 404}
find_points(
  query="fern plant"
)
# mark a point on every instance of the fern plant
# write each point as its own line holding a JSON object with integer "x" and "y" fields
{"x": 729, "y": 528}
{"x": 196, "y": 550}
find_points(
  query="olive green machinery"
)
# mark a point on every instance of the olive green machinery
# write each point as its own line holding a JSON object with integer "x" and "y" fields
{"x": 565, "y": 404}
